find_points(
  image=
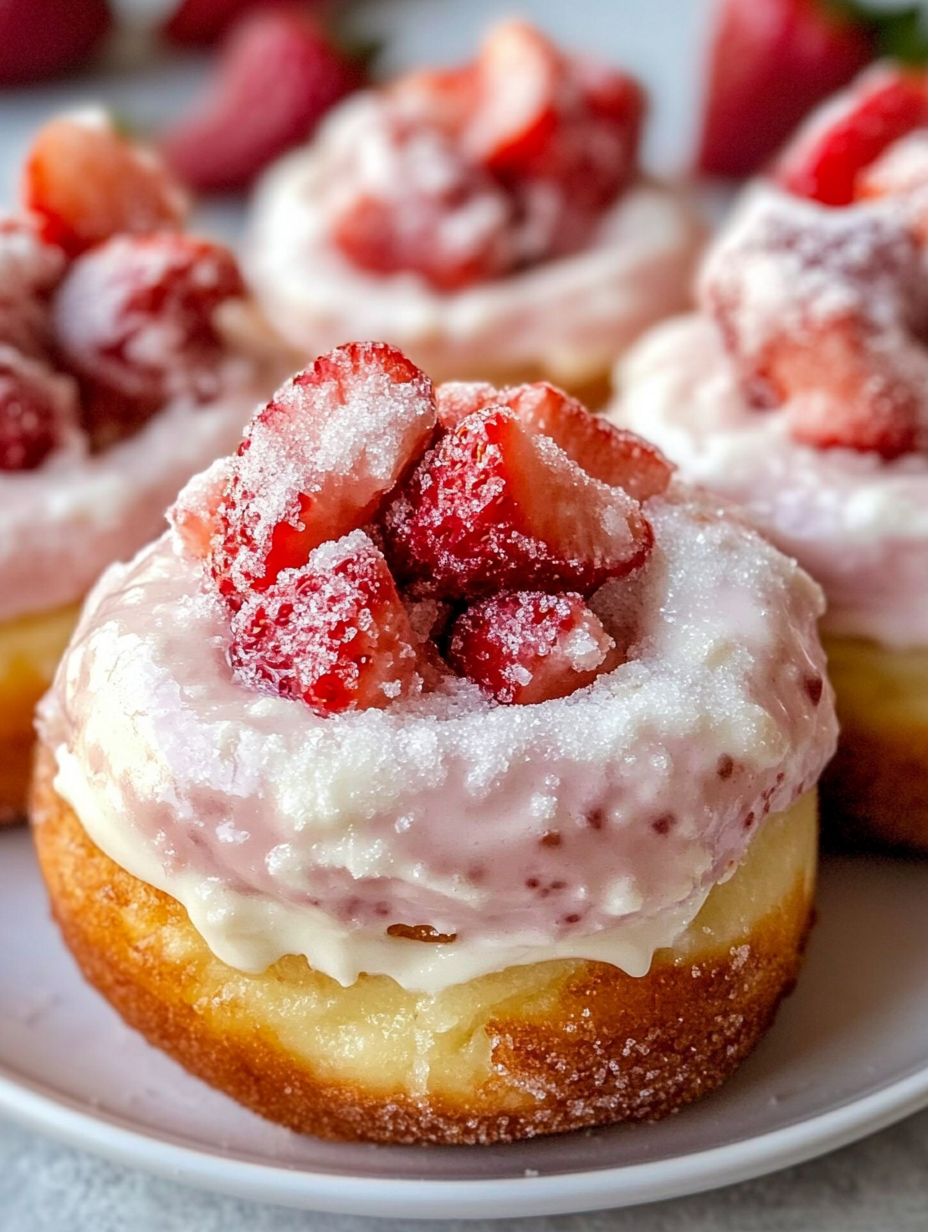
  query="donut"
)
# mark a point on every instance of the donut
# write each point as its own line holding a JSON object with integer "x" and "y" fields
{"x": 490, "y": 246}
{"x": 799, "y": 391}
{"x": 130, "y": 357}
{"x": 445, "y": 760}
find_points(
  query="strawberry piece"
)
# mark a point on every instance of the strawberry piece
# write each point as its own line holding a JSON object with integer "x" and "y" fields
{"x": 518, "y": 82}
{"x": 84, "y": 183}
{"x": 37, "y": 409}
{"x": 317, "y": 461}
{"x": 40, "y": 39}
{"x": 493, "y": 507}
{"x": 770, "y": 61}
{"x": 529, "y": 647}
{"x": 277, "y": 76}
{"x": 333, "y": 633}
{"x": 195, "y": 513}
{"x": 29, "y": 270}
{"x": 828, "y": 154}
{"x": 823, "y": 312}
{"x": 607, "y": 453}
{"x": 901, "y": 173}
{"x": 135, "y": 321}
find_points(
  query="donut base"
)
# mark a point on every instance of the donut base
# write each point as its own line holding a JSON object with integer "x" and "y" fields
{"x": 30, "y": 647}
{"x": 875, "y": 791}
{"x": 549, "y": 1047}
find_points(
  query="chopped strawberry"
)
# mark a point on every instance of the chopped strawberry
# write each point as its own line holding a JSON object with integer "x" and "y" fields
{"x": 195, "y": 513}
{"x": 822, "y": 312}
{"x": 493, "y": 507}
{"x": 84, "y": 183}
{"x": 333, "y": 633}
{"x": 528, "y": 647}
{"x": 317, "y": 461}
{"x": 610, "y": 454}
{"x": 519, "y": 77}
{"x": 37, "y": 408}
{"x": 136, "y": 321}
{"x": 831, "y": 150}
{"x": 770, "y": 61}
{"x": 29, "y": 270}
{"x": 43, "y": 38}
{"x": 278, "y": 75}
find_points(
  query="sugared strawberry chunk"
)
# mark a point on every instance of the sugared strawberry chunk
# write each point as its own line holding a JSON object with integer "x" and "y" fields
{"x": 823, "y": 311}
{"x": 610, "y": 454}
{"x": 901, "y": 174}
{"x": 333, "y": 633}
{"x": 37, "y": 408}
{"x": 838, "y": 142}
{"x": 317, "y": 461}
{"x": 29, "y": 270}
{"x": 493, "y": 507}
{"x": 527, "y": 647}
{"x": 136, "y": 321}
{"x": 195, "y": 513}
{"x": 84, "y": 183}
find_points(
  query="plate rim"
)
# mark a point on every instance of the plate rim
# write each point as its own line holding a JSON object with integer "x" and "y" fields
{"x": 421, "y": 1198}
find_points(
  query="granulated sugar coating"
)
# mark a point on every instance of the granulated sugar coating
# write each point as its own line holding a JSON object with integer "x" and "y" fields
{"x": 317, "y": 459}
{"x": 824, "y": 311}
{"x": 591, "y": 825}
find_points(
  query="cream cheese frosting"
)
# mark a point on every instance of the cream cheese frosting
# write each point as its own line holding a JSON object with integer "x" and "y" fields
{"x": 857, "y": 522}
{"x": 62, "y": 524}
{"x": 589, "y": 826}
{"x": 569, "y": 316}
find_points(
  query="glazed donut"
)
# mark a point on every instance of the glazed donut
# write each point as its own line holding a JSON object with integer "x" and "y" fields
{"x": 513, "y": 765}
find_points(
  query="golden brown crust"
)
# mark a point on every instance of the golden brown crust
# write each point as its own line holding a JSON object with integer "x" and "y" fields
{"x": 591, "y": 1046}
{"x": 875, "y": 791}
{"x": 30, "y": 647}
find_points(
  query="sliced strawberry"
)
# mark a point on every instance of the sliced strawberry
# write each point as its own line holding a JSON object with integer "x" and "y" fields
{"x": 317, "y": 461}
{"x": 830, "y": 151}
{"x": 528, "y": 647}
{"x": 37, "y": 409}
{"x": 770, "y": 61}
{"x": 333, "y": 633}
{"x": 135, "y": 321}
{"x": 84, "y": 183}
{"x": 43, "y": 38}
{"x": 195, "y": 513}
{"x": 493, "y": 507}
{"x": 610, "y": 454}
{"x": 518, "y": 80}
{"x": 277, "y": 76}
{"x": 823, "y": 311}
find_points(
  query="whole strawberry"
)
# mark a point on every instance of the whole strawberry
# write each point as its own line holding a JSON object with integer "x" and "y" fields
{"x": 278, "y": 75}
{"x": 770, "y": 62}
{"x": 42, "y": 38}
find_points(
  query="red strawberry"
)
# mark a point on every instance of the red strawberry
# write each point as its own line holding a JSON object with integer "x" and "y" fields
{"x": 43, "y": 38}
{"x": 518, "y": 80}
{"x": 529, "y": 647}
{"x": 333, "y": 633}
{"x": 84, "y": 183}
{"x": 828, "y": 154}
{"x": 198, "y": 23}
{"x": 493, "y": 507}
{"x": 36, "y": 410}
{"x": 317, "y": 461}
{"x": 135, "y": 321}
{"x": 770, "y": 61}
{"x": 610, "y": 454}
{"x": 822, "y": 311}
{"x": 278, "y": 75}
{"x": 29, "y": 270}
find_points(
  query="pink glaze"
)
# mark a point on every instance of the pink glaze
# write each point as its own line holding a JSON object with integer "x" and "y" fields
{"x": 593, "y": 825}
{"x": 859, "y": 524}
{"x": 568, "y": 316}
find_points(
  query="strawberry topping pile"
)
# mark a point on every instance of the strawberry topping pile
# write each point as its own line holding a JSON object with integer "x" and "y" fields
{"x": 374, "y": 537}
{"x": 467, "y": 174}
{"x": 102, "y": 293}
{"x": 825, "y": 313}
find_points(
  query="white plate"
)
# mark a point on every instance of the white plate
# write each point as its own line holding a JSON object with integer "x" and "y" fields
{"x": 848, "y": 1055}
